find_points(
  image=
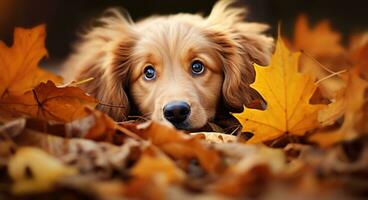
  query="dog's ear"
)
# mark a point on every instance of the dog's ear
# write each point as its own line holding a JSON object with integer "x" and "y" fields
{"x": 239, "y": 44}
{"x": 104, "y": 55}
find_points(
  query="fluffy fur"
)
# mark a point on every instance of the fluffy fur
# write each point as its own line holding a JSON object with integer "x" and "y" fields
{"x": 116, "y": 51}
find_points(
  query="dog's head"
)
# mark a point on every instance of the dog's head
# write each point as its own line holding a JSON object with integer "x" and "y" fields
{"x": 176, "y": 68}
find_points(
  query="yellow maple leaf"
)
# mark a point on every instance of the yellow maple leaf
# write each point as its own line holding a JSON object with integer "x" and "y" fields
{"x": 19, "y": 71}
{"x": 287, "y": 93}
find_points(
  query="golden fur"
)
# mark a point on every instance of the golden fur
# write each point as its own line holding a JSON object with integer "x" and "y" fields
{"x": 115, "y": 52}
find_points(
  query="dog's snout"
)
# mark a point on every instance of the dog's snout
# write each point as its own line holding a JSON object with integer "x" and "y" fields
{"x": 176, "y": 112}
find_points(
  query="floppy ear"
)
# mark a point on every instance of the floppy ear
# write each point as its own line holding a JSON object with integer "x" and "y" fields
{"x": 104, "y": 54}
{"x": 239, "y": 44}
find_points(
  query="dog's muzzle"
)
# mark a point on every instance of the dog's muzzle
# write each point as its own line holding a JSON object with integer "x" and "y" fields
{"x": 177, "y": 112}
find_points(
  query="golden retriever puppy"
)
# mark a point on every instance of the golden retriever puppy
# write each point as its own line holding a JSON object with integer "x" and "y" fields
{"x": 178, "y": 68}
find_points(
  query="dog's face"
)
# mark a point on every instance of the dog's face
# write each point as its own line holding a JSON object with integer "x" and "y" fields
{"x": 173, "y": 68}
{"x": 176, "y": 74}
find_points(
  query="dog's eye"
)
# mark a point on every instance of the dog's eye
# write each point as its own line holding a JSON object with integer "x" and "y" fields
{"x": 197, "y": 67}
{"x": 149, "y": 73}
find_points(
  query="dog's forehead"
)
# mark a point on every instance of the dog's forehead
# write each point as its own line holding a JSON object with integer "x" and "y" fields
{"x": 170, "y": 34}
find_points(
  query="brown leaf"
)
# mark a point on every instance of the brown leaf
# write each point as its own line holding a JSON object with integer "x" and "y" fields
{"x": 49, "y": 102}
{"x": 359, "y": 53}
{"x": 178, "y": 145}
{"x": 153, "y": 163}
{"x": 323, "y": 53}
{"x": 350, "y": 104}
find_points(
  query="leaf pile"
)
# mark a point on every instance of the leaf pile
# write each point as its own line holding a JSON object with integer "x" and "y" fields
{"x": 310, "y": 141}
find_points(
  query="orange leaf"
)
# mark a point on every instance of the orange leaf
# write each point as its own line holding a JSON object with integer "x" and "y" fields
{"x": 179, "y": 145}
{"x": 19, "y": 71}
{"x": 154, "y": 163}
{"x": 350, "y": 104}
{"x": 320, "y": 40}
{"x": 49, "y": 102}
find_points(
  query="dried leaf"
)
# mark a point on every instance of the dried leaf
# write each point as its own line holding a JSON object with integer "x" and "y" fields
{"x": 179, "y": 145}
{"x": 255, "y": 165}
{"x": 350, "y": 104}
{"x": 33, "y": 170}
{"x": 49, "y": 102}
{"x": 18, "y": 64}
{"x": 152, "y": 164}
{"x": 323, "y": 53}
{"x": 319, "y": 41}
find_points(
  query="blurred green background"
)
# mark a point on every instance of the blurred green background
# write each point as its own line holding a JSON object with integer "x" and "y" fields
{"x": 65, "y": 17}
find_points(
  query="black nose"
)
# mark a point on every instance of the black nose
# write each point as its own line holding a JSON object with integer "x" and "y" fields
{"x": 177, "y": 111}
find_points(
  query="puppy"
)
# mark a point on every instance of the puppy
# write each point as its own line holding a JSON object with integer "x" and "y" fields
{"x": 179, "y": 69}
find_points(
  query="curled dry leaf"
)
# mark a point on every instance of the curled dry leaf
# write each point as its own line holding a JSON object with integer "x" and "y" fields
{"x": 350, "y": 104}
{"x": 323, "y": 53}
{"x": 178, "y": 145}
{"x": 49, "y": 102}
{"x": 19, "y": 71}
{"x": 287, "y": 93}
{"x": 95, "y": 126}
{"x": 98, "y": 159}
{"x": 154, "y": 164}
{"x": 359, "y": 54}
{"x": 33, "y": 170}
{"x": 251, "y": 167}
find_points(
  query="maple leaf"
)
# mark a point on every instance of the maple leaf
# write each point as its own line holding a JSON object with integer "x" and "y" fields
{"x": 18, "y": 64}
{"x": 349, "y": 104}
{"x": 287, "y": 93}
{"x": 322, "y": 47}
{"x": 319, "y": 41}
{"x": 49, "y": 102}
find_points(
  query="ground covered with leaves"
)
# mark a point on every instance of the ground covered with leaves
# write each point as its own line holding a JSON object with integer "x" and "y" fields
{"x": 310, "y": 141}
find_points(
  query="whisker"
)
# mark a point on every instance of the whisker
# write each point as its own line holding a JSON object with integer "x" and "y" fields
{"x": 138, "y": 117}
{"x": 110, "y": 105}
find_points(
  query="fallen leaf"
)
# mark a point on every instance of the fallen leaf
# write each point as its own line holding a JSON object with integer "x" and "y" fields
{"x": 153, "y": 163}
{"x": 359, "y": 54}
{"x": 350, "y": 104}
{"x": 255, "y": 165}
{"x": 323, "y": 53}
{"x": 319, "y": 41}
{"x": 96, "y": 126}
{"x": 19, "y": 71}
{"x": 49, "y": 102}
{"x": 33, "y": 170}
{"x": 178, "y": 145}
{"x": 287, "y": 93}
